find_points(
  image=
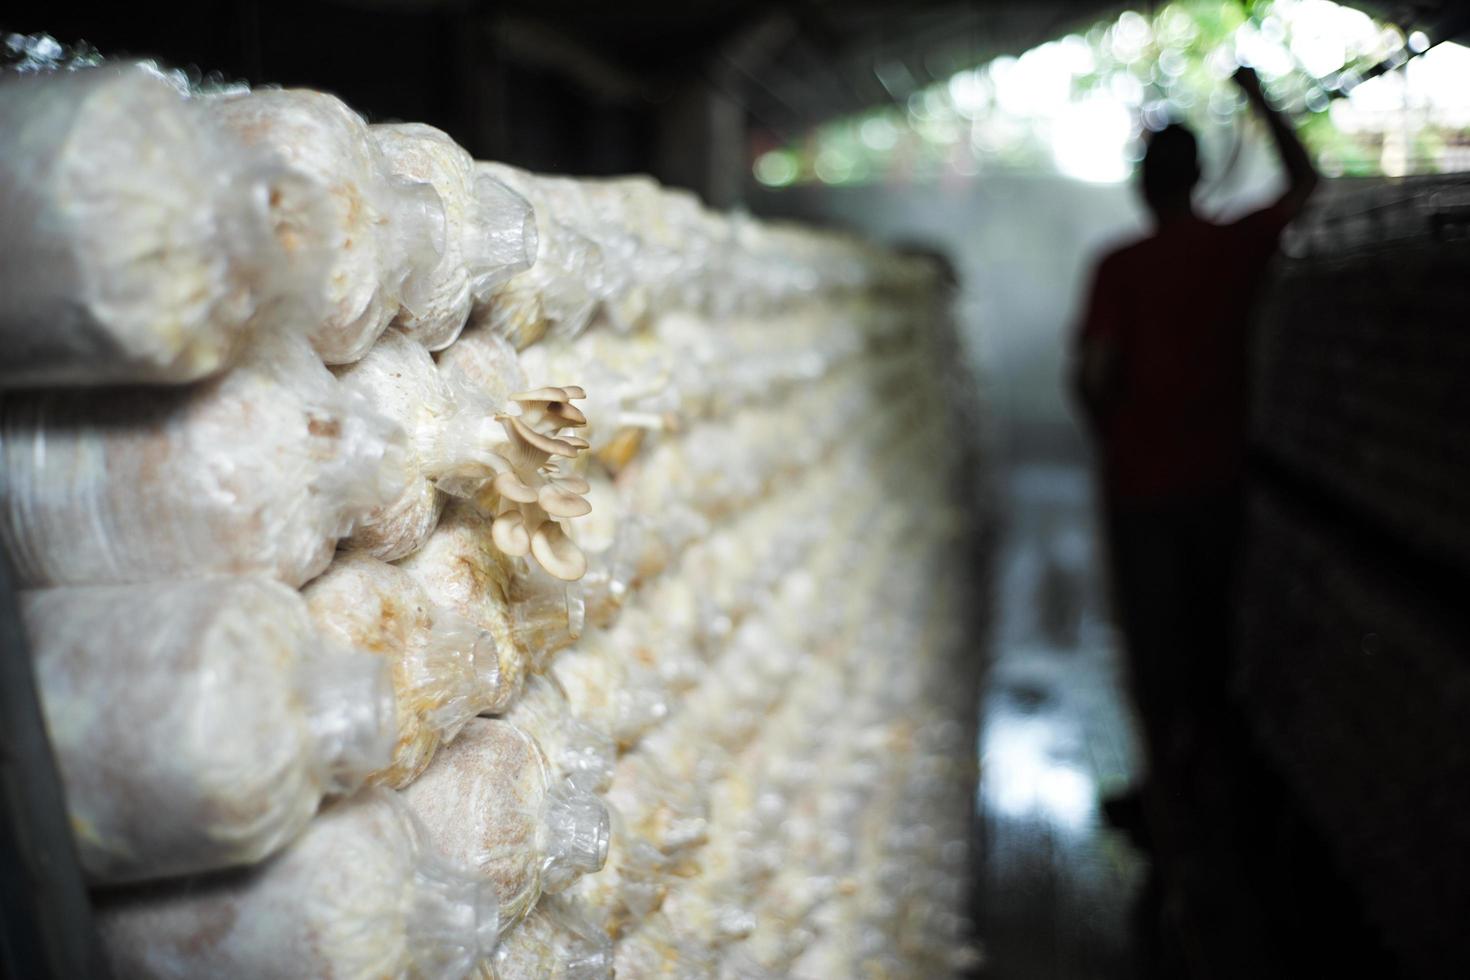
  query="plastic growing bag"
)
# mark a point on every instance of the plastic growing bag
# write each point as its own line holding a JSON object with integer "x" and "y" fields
{"x": 612, "y": 559}
{"x": 662, "y": 636}
{"x": 489, "y": 804}
{"x": 671, "y": 814}
{"x": 655, "y": 260}
{"x": 460, "y": 568}
{"x": 381, "y": 233}
{"x": 576, "y": 752}
{"x": 564, "y": 201}
{"x": 547, "y": 614}
{"x": 485, "y": 363}
{"x": 632, "y": 884}
{"x": 559, "y": 291}
{"x": 445, "y": 669}
{"x": 489, "y": 231}
{"x": 554, "y": 942}
{"x": 359, "y": 895}
{"x": 451, "y": 432}
{"x": 262, "y": 470}
{"x": 505, "y": 242}
{"x": 712, "y": 915}
{"x": 656, "y": 949}
{"x": 625, "y": 299}
{"x": 198, "y": 724}
{"x": 137, "y": 237}
{"x": 507, "y": 456}
{"x": 620, "y": 699}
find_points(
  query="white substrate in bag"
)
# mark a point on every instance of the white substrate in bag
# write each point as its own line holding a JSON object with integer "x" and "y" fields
{"x": 381, "y": 233}
{"x": 710, "y": 916}
{"x": 547, "y": 613}
{"x": 198, "y": 724}
{"x": 260, "y": 470}
{"x": 554, "y": 942}
{"x": 489, "y": 804}
{"x": 137, "y": 242}
{"x": 445, "y": 669}
{"x": 558, "y": 293}
{"x": 614, "y": 543}
{"x": 485, "y": 363}
{"x": 609, "y": 691}
{"x": 575, "y": 751}
{"x": 671, "y": 814}
{"x": 657, "y": 267}
{"x": 460, "y": 568}
{"x": 360, "y": 894}
{"x": 633, "y": 881}
{"x": 656, "y": 950}
{"x": 451, "y": 431}
{"x": 597, "y": 211}
{"x": 489, "y": 231}
{"x": 595, "y": 250}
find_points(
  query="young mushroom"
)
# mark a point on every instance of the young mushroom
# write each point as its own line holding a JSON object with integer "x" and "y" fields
{"x": 532, "y": 494}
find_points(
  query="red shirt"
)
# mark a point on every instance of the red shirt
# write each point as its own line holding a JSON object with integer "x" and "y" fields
{"x": 1173, "y": 310}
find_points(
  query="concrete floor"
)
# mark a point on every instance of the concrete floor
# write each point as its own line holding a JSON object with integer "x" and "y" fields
{"x": 1056, "y": 884}
{"x": 1242, "y": 888}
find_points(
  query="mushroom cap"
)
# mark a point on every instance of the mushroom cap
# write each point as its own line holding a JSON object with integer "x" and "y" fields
{"x": 570, "y": 481}
{"x": 508, "y": 531}
{"x": 546, "y": 444}
{"x": 566, "y": 413}
{"x": 548, "y": 394}
{"x": 557, "y": 553}
{"x": 512, "y": 487}
{"x": 562, "y": 503}
{"x": 553, "y": 402}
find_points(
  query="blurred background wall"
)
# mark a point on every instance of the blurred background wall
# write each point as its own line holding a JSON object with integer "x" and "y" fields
{"x": 1021, "y": 247}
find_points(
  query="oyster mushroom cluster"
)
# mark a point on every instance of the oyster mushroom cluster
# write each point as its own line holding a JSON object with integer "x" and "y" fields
{"x": 532, "y": 493}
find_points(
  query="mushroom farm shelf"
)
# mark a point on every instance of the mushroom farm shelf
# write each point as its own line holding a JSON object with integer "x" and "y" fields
{"x": 438, "y": 570}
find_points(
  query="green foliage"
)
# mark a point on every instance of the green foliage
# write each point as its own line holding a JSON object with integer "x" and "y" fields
{"x": 1174, "y": 65}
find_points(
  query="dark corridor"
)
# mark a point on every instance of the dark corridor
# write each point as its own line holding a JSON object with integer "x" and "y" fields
{"x": 1341, "y": 848}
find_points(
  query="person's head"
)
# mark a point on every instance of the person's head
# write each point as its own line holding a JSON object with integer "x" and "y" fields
{"x": 1170, "y": 169}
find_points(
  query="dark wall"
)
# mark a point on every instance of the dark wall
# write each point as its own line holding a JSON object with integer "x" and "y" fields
{"x": 389, "y": 63}
{"x": 440, "y": 64}
{"x": 1355, "y": 644}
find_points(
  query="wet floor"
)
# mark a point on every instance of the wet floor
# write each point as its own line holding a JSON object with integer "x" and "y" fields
{"x": 1056, "y": 884}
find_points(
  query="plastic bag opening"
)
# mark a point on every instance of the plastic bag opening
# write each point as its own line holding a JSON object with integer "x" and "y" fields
{"x": 352, "y": 714}
{"x": 578, "y": 831}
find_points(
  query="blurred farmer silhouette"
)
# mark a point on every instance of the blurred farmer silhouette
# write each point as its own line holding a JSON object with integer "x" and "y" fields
{"x": 1160, "y": 373}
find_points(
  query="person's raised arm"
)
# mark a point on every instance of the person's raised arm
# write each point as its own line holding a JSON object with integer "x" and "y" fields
{"x": 1301, "y": 175}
